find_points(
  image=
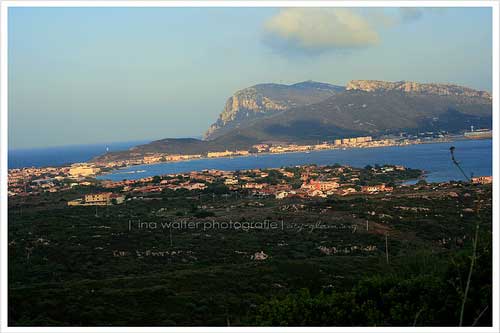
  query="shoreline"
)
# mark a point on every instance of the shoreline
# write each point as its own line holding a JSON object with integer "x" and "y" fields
{"x": 433, "y": 159}
{"x": 112, "y": 169}
{"x": 452, "y": 139}
{"x": 101, "y": 176}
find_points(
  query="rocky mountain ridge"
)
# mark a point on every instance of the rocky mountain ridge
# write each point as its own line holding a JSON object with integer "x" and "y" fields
{"x": 266, "y": 100}
{"x": 417, "y": 88}
{"x": 263, "y": 100}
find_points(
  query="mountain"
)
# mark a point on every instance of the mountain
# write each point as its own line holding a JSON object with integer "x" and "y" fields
{"x": 417, "y": 88}
{"x": 264, "y": 100}
{"x": 373, "y": 108}
{"x": 309, "y": 112}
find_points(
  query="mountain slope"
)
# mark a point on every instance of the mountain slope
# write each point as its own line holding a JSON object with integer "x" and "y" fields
{"x": 264, "y": 100}
{"x": 442, "y": 89}
{"x": 310, "y": 112}
{"x": 376, "y": 109}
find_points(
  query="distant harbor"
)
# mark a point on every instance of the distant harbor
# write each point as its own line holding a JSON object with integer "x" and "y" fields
{"x": 478, "y": 134}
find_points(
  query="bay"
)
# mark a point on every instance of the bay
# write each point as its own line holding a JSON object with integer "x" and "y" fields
{"x": 475, "y": 156}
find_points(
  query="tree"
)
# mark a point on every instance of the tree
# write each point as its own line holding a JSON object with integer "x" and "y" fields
{"x": 217, "y": 188}
{"x": 422, "y": 182}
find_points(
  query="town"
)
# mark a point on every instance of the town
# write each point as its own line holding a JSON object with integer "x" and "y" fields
{"x": 301, "y": 181}
{"x": 23, "y": 181}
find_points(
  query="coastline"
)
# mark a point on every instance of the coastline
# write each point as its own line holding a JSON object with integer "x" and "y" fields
{"x": 275, "y": 160}
{"x": 448, "y": 139}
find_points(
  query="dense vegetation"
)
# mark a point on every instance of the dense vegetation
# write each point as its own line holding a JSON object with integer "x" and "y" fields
{"x": 100, "y": 267}
{"x": 430, "y": 298}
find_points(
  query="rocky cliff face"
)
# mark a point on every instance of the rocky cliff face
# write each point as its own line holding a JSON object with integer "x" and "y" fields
{"x": 246, "y": 103}
{"x": 263, "y": 101}
{"x": 417, "y": 88}
{"x": 266, "y": 99}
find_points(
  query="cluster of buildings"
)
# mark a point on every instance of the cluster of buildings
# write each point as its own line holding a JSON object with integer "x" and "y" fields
{"x": 160, "y": 157}
{"x": 33, "y": 180}
{"x": 363, "y": 141}
{"x": 376, "y": 188}
{"x": 27, "y": 181}
{"x": 482, "y": 180}
{"x": 83, "y": 170}
{"x": 350, "y": 141}
{"x": 137, "y": 158}
{"x": 301, "y": 182}
{"x": 98, "y": 199}
{"x": 227, "y": 153}
{"x": 195, "y": 180}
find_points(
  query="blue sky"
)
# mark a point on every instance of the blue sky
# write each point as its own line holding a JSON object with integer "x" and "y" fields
{"x": 99, "y": 75}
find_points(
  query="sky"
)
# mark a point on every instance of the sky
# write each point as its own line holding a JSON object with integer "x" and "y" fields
{"x": 103, "y": 75}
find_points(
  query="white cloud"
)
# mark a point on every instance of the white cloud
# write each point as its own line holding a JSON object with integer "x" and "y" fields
{"x": 322, "y": 28}
{"x": 312, "y": 30}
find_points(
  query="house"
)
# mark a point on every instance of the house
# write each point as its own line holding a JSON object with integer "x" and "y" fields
{"x": 287, "y": 173}
{"x": 261, "y": 147}
{"x": 284, "y": 194}
{"x": 76, "y": 202}
{"x": 242, "y": 152}
{"x": 231, "y": 181}
{"x": 98, "y": 199}
{"x": 281, "y": 195}
{"x": 219, "y": 154}
{"x": 376, "y": 188}
{"x": 259, "y": 256}
{"x": 195, "y": 186}
{"x": 347, "y": 191}
{"x": 320, "y": 185}
{"x": 82, "y": 170}
{"x": 316, "y": 193}
{"x": 482, "y": 180}
{"x": 152, "y": 159}
{"x": 254, "y": 185}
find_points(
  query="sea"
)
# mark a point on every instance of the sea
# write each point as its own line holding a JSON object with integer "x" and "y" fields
{"x": 474, "y": 156}
{"x": 63, "y": 155}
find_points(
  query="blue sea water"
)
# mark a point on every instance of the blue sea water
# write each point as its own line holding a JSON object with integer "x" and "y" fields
{"x": 475, "y": 157}
{"x": 55, "y": 156}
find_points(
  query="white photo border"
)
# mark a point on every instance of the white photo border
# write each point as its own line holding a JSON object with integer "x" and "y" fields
{"x": 4, "y": 7}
